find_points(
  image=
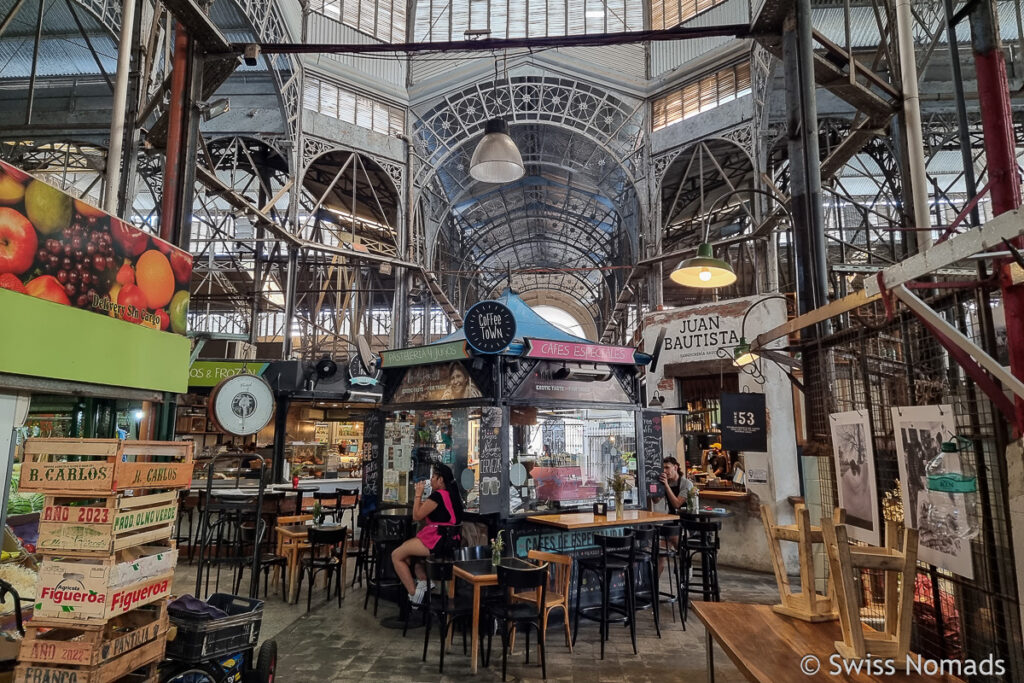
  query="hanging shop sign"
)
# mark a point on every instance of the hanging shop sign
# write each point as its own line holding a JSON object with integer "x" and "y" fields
{"x": 242, "y": 405}
{"x": 447, "y": 382}
{"x": 490, "y": 327}
{"x": 423, "y": 355}
{"x": 744, "y": 423}
{"x": 541, "y": 384}
{"x": 574, "y": 351}
{"x": 209, "y": 373}
{"x": 58, "y": 248}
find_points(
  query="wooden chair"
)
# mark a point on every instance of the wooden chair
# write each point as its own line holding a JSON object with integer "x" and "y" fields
{"x": 557, "y": 594}
{"x": 289, "y": 548}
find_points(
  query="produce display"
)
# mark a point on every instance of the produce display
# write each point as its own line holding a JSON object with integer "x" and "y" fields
{"x": 23, "y": 580}
{"x": 58, "y": 248}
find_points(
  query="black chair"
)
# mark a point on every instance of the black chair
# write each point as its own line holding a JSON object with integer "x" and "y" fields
{"x": 442, "y": 608}
{"x": 326, "y": 554}
{"x": 329, "y": 502}
{"x": 266, "y": 561}
{"x": 348, "y": 501}
{"x": 519, "y": 616}
{"x": 645, "y": 591}
{"x": 669, "y": 534}
{"x": 361, "y": 550}
{"x": 443, "y": 551}
{"x": 699, "y": 538}
{"x": 387, "y": 534}
{"x": 617, "y": 554}
{"x": 187, "y": 504}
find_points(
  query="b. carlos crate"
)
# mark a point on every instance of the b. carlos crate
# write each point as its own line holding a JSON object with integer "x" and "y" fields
{"x": 103, "y": 466}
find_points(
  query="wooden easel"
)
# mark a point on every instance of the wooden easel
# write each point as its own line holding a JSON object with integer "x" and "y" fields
{"x": 845, "y": 562}
{"x": 808, "y": 604}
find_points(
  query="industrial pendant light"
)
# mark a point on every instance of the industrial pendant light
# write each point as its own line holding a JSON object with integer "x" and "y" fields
{"x": 704, "y": 270}
{"x": 496, "y": 159}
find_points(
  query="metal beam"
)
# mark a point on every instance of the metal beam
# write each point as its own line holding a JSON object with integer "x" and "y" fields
{"x": 200, "y": 27}
{"x": 830, "y": 310}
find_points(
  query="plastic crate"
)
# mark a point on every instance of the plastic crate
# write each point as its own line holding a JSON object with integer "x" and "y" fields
{"x": 199, "y": 640}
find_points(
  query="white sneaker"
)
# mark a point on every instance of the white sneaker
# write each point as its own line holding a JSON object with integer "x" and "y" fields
{"x": 421, "y": 592}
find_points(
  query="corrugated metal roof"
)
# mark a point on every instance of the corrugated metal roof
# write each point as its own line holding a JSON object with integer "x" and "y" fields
{"x": 57, "y": 57}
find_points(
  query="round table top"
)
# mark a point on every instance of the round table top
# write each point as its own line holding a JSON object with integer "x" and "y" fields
{"x": 714, "y": 513}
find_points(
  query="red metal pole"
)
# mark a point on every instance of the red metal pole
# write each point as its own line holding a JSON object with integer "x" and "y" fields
{"x": 997, "y": 125}
{"x": 170, "y": 211}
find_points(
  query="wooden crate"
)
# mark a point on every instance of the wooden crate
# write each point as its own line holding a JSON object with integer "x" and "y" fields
{"x": 146, "y": 656}
{"x": 74, "y": 526}
{"x": 86, "y": 645}
{"x": 104, "y": 466}
{"x": 92, "y": 590}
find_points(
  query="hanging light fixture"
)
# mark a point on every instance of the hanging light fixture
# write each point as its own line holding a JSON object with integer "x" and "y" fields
{"x": 704, "y": 270}
{"x": 496, "y": 158}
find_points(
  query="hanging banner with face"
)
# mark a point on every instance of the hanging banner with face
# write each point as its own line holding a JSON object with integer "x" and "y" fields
{"x": 443, "y": 382}
{"x": 855, "y": 474}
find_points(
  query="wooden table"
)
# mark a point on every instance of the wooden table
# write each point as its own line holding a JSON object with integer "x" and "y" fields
{"x": 588, "y": 520}
{"x": 481, "y": 573}
{"x": 726, "y": 495}
{"x": 769, "y": 647}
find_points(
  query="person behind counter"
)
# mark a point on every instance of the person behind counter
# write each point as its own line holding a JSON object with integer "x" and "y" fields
{"x": 443, "y": 507}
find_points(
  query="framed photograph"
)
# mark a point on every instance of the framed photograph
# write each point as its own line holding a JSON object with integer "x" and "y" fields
{"x": 940, "y": 518}
{"x": 198, "y": 424}
{"x": 854, "y": 457}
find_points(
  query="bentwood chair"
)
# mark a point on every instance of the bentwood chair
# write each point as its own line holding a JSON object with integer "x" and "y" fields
{"x": 327, "y": 554}
{"x": 512, "y": 616}
{"x": 348, "y": 501}
{"x": 442, "y": 608}
{"x": 557, "y": 595}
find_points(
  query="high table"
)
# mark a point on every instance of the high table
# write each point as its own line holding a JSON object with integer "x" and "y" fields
{"x": 768, "y": 647}
{"x": 480, "y": 573}
{"x": 588, "y": 520}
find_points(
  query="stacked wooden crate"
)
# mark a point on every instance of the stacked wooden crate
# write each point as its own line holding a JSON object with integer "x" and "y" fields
{"x": 107, "y": 557}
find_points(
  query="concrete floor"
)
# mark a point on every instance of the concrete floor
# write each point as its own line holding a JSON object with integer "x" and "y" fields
{"x": 349, "y": 644}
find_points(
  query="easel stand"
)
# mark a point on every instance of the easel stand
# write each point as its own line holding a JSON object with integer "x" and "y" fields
{"x": 808, "y": 604}
{"x": 845, "y": 563}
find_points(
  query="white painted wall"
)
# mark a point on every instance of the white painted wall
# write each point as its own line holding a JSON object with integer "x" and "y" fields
{"x": 688, "y": 341}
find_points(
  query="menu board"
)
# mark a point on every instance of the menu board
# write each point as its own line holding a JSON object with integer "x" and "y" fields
{"x": 373, "y": 437}
{"x": 491, "y": 475}
{"x": 650, "y": 428}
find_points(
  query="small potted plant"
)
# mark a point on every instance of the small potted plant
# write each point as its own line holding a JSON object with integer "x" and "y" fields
{"x": 618, "y": 485}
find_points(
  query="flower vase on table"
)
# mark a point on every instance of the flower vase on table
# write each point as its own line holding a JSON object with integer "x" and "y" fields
{"x": 618, "y": 505}
{"x": 497, "y": 548}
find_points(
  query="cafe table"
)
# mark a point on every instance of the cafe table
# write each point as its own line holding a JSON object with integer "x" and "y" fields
{"x": 588, "y": 520}
{"x": 767, "y": 647}
{"x": 481, "y": 573}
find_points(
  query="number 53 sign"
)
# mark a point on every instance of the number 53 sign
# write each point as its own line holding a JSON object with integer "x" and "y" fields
{"x": 744, "y": 423}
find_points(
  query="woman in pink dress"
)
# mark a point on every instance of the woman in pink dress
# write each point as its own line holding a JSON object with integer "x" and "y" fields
{"x": 443, "y": 507}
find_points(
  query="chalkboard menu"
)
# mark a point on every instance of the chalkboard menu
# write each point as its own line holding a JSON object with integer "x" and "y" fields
{"x": 650, "y": 428}
{"x": 491, "y": 474}
{"x": 744, "y": 423}
{"x": 373, "y": 439}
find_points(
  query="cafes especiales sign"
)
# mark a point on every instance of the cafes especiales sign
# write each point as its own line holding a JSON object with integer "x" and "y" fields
{"x": 61, "y": 249}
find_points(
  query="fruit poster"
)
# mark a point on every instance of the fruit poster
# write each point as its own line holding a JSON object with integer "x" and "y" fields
{"x": 58, "y": 248}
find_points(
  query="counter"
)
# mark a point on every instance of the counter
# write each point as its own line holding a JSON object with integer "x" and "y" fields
{"x": 320, "y": 484}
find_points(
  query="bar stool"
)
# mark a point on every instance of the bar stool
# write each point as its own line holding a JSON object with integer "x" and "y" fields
{"x": 646, "y": 591}
{"x": 617, "y": 554}
{"x": 388, "y": 534}
{"x": 361, "y": 551}
{"x": 666, "y": 534}
{"x": 187, "y": 504}
{"x": 700, "y": 538}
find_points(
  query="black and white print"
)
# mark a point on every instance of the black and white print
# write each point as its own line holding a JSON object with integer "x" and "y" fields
{"x": 855, "y": 474}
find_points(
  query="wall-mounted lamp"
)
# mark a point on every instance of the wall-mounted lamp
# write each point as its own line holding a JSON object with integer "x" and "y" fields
{"x": 742, "y": 354}
{"x": 214, "y": 108}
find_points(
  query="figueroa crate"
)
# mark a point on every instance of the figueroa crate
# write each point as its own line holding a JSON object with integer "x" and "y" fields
{"x": 80, "y": 526}
{"x": 103, "y": 466}
{"x": 87, "y": 590}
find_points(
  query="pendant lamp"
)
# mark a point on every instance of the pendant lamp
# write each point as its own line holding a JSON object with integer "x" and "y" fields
{"x": 704, "y": 270}
{"x": 496, "y": 159}
{"x": 742, "y": 355}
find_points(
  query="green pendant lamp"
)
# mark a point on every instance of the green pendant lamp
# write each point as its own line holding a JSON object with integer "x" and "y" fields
{"x": 704, "y": 271}
{"x": 742, "y": 355}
